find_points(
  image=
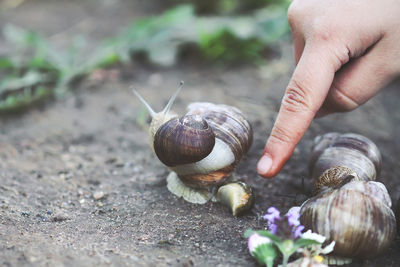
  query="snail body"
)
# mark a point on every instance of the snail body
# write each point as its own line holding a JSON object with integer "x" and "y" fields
{"x": 201, "y": 148}
{"x": 349, "y": 207}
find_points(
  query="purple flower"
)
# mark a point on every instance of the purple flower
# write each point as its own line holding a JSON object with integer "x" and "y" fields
{"x": 286, "y": 227}
{"x": 293, "y": 216}
{"x": 297, "y": 231}
{"x": 272, "y": 215}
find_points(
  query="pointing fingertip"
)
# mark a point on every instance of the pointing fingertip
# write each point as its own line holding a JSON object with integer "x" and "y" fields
{"x": 264, "y": 165}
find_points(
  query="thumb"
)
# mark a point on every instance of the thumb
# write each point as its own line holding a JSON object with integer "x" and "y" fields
{"x": 304, "y": 96}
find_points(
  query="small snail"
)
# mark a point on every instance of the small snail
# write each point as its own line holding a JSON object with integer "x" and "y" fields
{"x": 201, "y": 148}
{"x": 349, "y": 207}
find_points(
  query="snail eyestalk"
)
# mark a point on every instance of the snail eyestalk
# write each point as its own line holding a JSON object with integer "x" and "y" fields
{"x": 149, "y": 109}
{"x": 172, "y": 99}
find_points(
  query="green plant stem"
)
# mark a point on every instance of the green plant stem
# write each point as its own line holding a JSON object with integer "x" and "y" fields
{"x": 285, "y": 260}
{"x": 269, "y": 262}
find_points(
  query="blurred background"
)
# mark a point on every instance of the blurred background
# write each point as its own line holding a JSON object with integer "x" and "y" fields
{"x": 48, "y": 45}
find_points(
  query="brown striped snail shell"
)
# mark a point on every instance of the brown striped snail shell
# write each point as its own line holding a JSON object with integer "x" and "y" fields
{"x": 183, "y": 140}
{"x": 201, "y": 148}
{"x": 354, "y": 212}
{"x": 350, "y": 150}
{"x": 233, "y": 138}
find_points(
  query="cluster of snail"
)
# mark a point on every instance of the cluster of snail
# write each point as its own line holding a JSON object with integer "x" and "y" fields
{"x": 201, "y": 149}
{"x": 349, "y": 207}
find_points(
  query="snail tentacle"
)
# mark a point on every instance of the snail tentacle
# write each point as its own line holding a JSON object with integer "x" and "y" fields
{"x": 172, "y": 99}
{"x": 144, "y": 102}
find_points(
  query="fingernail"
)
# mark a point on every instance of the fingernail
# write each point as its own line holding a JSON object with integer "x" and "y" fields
{"x": 264, "y": 164}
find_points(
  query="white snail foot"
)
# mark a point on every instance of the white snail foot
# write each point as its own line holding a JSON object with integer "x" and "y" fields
{"x": 179, "y": 189}
{"x": 336, "y": 260}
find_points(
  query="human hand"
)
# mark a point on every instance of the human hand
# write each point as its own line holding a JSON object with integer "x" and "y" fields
{"x": 345, "y": 52}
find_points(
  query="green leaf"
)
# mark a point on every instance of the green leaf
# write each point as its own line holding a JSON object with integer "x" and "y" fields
{"x": 270, "y": 235}
{"x": 27, "y": 97}
{"x": 286, "y": 247}
{"x": 301, "y": 243}
{"x": 31, "y": 78}
{"x": 265, "y": 254}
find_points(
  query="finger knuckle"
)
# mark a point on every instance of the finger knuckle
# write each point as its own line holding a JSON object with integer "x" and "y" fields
{"x": 322, "y": 31}
{"x": 280, "y": 135}
{"x": 295, "y": 98}
{"x": 343, "y": 101}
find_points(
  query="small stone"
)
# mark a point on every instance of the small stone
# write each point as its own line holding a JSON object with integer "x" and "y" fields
{"x": 99, "y": 204}
{"x": 59, "y": 217}
{"x": 98, "y": 195}
{"x": 25, "y": 213}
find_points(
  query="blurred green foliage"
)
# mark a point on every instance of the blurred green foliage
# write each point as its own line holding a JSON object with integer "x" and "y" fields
{"x": 226, "y": 38}
{"x": 36, "y": 70}
{"x": 230, "y": 7}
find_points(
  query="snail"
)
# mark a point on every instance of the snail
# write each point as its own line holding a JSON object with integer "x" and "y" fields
{"x": 201, "y": 148}
{"x": 349, "y": 207}
{"x": 350, "y": 150}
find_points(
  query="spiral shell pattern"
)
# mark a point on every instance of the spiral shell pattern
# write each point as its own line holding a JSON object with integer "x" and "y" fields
{"x": 357, "y": 217}
{"x": 183, "y": 140}
{"x": 349, "y": 207}
{"x": 350, "y": 150}
{"x": 228, "y": 123}
{"x": 233, "y": 138}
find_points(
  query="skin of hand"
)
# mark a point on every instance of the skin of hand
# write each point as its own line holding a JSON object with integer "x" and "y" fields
{"x": 345, "y": 52}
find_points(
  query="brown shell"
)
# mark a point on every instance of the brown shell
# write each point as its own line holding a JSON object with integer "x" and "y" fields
{"x": 362, "y": 225}
{"x": 185, "y": 140}
{"x": 334, "y": 178}
{"x": 228, "y": 123}
{"x": 349, "y": 150}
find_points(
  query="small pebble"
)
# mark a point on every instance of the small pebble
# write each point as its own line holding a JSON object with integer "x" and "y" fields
{"x": 59, "y": 217}
{"x": 98, "y": 195}
{"x": 25, "y": 213}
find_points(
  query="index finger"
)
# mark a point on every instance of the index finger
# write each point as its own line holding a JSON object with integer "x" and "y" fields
{"x": 304, "y": 96}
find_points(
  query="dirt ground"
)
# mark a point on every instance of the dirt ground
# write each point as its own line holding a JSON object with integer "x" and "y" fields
{"x": 57, "y": 160}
